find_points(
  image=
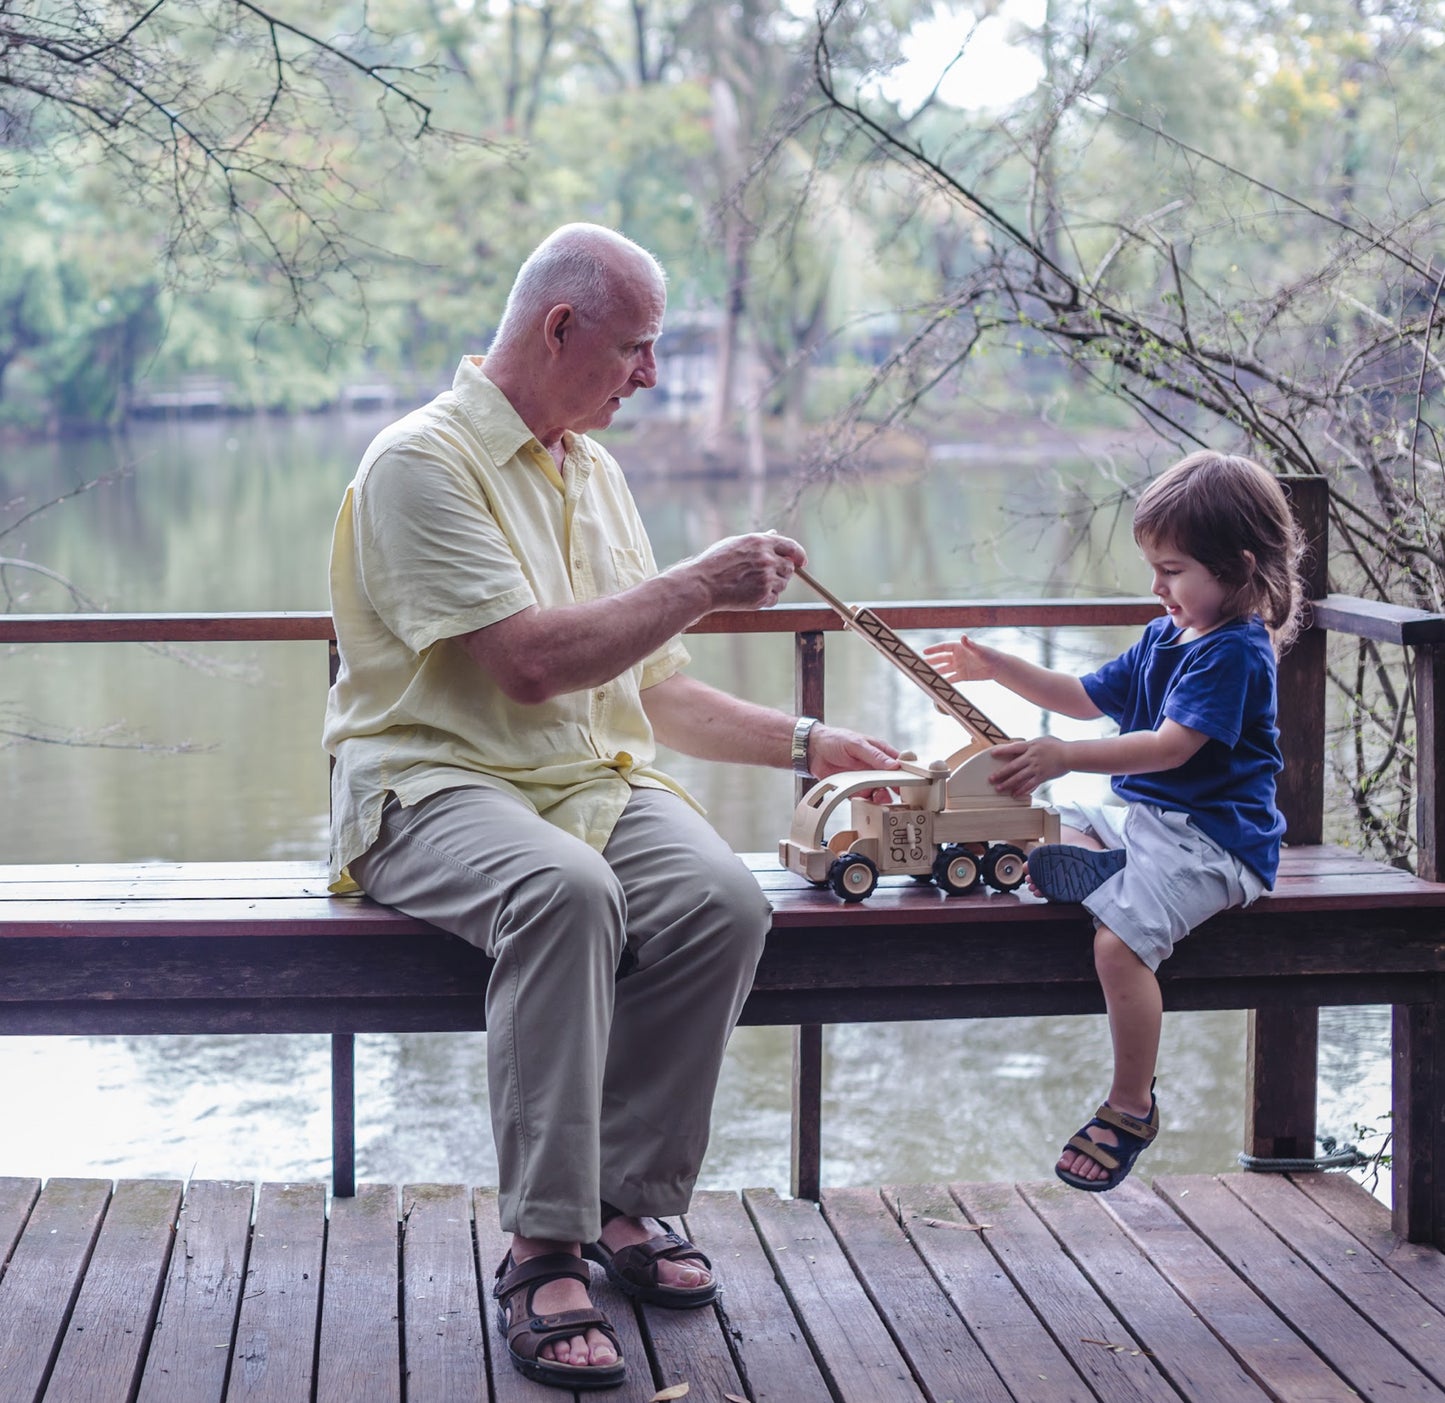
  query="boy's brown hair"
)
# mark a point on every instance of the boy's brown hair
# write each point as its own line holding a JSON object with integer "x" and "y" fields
{"x": 1217, "y": 506}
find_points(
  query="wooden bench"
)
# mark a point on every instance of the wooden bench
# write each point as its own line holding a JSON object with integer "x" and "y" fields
{"x": 261, "y": 947}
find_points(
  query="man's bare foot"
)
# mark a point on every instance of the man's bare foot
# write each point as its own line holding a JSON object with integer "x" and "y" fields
{"x": 593, "y": 1349}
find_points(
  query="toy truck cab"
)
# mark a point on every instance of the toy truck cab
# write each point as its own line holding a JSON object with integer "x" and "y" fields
{"x": 948, "y": 825}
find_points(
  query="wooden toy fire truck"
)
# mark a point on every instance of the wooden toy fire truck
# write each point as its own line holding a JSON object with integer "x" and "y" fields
{"x": 948, "y": 824}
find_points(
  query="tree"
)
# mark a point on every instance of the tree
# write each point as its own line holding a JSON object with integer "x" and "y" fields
{"x": 229, "y": 117}
{"x": 1270, "y": 282}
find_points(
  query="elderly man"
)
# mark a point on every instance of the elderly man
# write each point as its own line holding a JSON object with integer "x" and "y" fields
{"x": 510, "y": 655}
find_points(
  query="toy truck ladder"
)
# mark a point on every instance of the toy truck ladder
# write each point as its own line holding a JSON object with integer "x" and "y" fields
{"x": 912, "y": 665}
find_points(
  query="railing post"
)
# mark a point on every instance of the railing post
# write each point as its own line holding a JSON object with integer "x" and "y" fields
{"x": 1429, "y": 679}
{"x": 1417, "y": 1105}
{"x": 1283, "y": 1043}
{"x": 1417, "y": 1102}
{"x": 1301, "y": 786}
{"x": 807, "y": 1155}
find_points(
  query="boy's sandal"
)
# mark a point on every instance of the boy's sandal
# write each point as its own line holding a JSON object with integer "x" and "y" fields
{"x": 527, "y": 1334}
{"x": 633, "y": 1270}
{"x": 1134, "y": 1136}
{"x": 1066, "y": 872}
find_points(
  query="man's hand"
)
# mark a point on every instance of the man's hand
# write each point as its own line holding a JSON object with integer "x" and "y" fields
{"x": 1026, "y": 764}
{"x": 833, "y": 751}
{"x": 744, "y": 572}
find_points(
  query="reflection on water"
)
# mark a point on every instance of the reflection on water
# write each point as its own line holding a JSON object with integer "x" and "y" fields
{"x": 237, "y": 515}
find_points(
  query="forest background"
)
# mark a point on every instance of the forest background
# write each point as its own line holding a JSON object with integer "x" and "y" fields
{"x": 1218, "y": 220}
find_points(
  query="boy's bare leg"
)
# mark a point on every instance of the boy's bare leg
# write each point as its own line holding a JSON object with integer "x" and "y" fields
{"x": 1136, "y": 1014}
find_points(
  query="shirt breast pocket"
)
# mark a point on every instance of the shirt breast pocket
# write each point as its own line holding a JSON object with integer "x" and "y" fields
{"x": 628, "y": 568}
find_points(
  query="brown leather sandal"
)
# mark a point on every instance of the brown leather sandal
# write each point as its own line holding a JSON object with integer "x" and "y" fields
{"x": 527, "y": 1333}
{"x": 633, "y": 1270}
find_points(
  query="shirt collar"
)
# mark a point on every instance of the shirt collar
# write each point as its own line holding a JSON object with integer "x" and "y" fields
{"x": 499, "y": 425}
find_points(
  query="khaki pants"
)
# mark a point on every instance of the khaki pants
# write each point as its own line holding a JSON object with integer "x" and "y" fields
{"x": 601, "y": 1079}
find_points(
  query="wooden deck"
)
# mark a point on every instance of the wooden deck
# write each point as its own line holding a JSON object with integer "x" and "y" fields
{"x": 1216, "y": 1289}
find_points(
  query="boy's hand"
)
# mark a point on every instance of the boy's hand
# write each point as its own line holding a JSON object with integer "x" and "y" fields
{"x": 1026, "y": 764}
{"x": 963, "y": 661}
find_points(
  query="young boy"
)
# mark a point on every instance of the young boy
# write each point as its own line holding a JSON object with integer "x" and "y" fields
{"x": 1194, "y": 764}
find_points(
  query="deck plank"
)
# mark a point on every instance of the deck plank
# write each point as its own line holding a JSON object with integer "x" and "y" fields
{"x": 42, "y": 1280}
{"x": 445, "y": 1345}
{"x": 1396, "y": 1309}
{"x": 1275, "y": 1354}
{"x": 103, "y": 1352}
{"x": 995, "y": 1312}
{"x": 1347, "y": 1340}
{"x": 17, "y": 1198}
{"x": 1353, "y": 1207}
{"x": 779, "y": 1366}
{"x": 1183, "y": 1347}
{"x": 190, "y": 1352}
{"x": 853, "y": 1347}
{"x": 640, "y": 1383}
{"x": 275, "y": 1351}
{"x": 1089, "y": 1331}
{"x": 946, "y": 1358}
{"x": 359, "y": 1358}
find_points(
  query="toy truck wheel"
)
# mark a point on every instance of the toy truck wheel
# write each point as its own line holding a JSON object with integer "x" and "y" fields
{"x": 1004, "y": 867}
{"x": 955, "y": 870}
{"x": 853, "y": 877}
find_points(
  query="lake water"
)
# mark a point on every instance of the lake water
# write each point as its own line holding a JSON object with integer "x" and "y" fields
{"x": 213, "y": 754}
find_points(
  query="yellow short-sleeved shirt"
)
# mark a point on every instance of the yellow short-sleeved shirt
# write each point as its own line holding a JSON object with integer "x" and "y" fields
{"x": 458, "y": 517}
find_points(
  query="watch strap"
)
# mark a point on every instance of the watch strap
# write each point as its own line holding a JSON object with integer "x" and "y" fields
{"x": 802, "y": 730}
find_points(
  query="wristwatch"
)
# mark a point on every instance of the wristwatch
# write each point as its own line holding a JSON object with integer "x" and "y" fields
{"x": 801, "y": 731}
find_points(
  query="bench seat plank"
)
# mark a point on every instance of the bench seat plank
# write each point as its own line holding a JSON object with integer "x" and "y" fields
{"x": 221, "y": 916}
{"x": 213, "y": 900}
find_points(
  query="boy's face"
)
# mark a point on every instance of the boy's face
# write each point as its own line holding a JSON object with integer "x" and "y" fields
{"x": 1191, "y": 594}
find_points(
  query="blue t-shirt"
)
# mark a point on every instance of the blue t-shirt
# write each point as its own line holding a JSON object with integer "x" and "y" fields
{"x": 1222, "y": 684}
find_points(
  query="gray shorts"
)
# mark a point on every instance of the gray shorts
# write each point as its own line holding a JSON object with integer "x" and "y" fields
{"x": 1175, "y": 879}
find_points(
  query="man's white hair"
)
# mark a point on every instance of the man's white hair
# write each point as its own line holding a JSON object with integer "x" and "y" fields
{"x": 575, "y": 264}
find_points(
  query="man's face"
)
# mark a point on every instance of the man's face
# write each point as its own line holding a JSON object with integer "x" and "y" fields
{"x": 608, "y": 357}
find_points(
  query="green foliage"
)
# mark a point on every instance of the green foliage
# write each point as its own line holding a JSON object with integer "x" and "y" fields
{"x": 322, "y": 248}
{"x": 79, "y": 306}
